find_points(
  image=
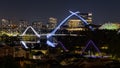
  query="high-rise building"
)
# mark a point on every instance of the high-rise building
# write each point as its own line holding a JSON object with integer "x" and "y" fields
{"x": 52, "y": 22}
{"x": 4, "y": 24}
{"x": 87, "y": 17}
{"x": 5, "y": 21}
{"x": 75, "y": 22}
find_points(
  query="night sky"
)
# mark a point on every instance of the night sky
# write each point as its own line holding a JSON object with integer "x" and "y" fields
{"x": 31, "y": 10}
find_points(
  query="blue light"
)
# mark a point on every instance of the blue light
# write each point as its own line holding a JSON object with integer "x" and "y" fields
{"x": 54, "y": 31}
{"x": 50, "y": 43}
{"x": 72, "y": 13}
{"x": 65, "y": 49}
{"x": 24, "y": 44}
{"x": 88, "y": 44}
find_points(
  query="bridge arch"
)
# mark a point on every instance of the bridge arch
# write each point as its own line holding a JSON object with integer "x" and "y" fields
{"x": 61, "y": 23}
{"x": 72, "y": 14}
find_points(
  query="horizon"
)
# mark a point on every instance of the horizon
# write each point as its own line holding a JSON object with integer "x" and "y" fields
{"x": 30, "y": 10}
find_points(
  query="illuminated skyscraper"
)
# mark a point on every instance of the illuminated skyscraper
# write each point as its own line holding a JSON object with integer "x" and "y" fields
{"x": 52, "y": 22}
{"x": 4, "y": 23}
{"x": 77, "y": 22}
{"x": 73, "y": 23}
{"x": 87, "y": 17}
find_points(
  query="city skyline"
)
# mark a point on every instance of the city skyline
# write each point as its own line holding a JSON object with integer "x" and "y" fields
{"x": 31, "y": 10}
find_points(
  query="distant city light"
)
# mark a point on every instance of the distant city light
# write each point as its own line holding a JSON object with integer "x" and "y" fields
{"x": 90, "y": 14}
{"x": 110, "y": 26}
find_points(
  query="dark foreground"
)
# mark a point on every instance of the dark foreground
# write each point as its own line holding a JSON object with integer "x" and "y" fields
{"x": 60, "y": 62}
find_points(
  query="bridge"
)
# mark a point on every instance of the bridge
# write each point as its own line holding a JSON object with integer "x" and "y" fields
{"x": 49, "y": 38}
